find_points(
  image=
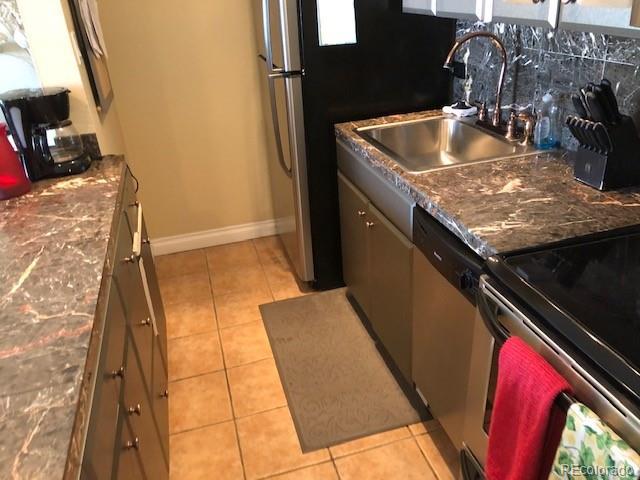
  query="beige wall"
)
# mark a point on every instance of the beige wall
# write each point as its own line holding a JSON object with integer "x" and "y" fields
{"x": 185, "y": 76}
{"x": 49, "y": 29}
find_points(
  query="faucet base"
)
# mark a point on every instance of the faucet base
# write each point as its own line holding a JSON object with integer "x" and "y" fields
{"x": 488, "y": 125}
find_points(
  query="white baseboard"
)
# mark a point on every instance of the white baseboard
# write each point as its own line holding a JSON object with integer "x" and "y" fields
{"x": 211, "y": 238}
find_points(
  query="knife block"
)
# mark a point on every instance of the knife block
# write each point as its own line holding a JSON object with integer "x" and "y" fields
{"x": 617, "y": 168}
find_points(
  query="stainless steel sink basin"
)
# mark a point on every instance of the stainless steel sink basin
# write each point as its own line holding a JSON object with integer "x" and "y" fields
{"x": 440, "y": 142}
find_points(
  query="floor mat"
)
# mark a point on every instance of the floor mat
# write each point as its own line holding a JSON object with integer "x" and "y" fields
{"x": 337, "y": 384}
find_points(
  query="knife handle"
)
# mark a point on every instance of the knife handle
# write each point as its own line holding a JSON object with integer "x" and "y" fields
{"x": 595, "y": 107}
{"x": 610, "y": 97}
{"x": 579, "y": 106}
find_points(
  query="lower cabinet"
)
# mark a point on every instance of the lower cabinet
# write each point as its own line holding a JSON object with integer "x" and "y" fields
{"x": 355, "y": 247}
{"x": 128, "y": 434}
{"x": 377, "y": 261}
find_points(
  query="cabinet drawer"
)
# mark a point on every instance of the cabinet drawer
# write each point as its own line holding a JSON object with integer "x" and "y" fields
{"x": 101, "y": 438}
{"x": 129, "y": 465}
{"x": 154, "y": 292}
{"x": 129, "y": 202}
{"x": 160, "y": 398}
{"x": 128, "y": 278}
{"x": 138, "y": 409}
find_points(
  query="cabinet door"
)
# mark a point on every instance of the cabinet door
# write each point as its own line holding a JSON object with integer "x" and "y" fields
{"x": 467, "y": 9}
{"x": 355, "y": 262}
{"x": 604, "y": 16}
{"x": 160, "y": 398}
{"x": 424, "y": 7}
{"x": 442, "y": 343}
{"x": 138, "y": 408}
{"x": 101, "y": 436}
{"x": 524, "y": 11}
{"x": 390, "y": 277}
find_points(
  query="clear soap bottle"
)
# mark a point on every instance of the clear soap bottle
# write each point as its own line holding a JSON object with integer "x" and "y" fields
{"x": 547, "y": 132}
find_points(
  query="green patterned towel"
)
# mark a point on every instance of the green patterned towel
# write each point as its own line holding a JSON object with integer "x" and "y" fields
{"x": 590, "y": 450}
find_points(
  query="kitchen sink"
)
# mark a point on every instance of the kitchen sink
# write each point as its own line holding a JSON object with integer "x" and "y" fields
{"x": 441, "y": 142}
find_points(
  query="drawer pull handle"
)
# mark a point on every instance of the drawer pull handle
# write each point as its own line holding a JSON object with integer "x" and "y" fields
{"x": 146, "y": 322}
{"x": 165, "y": 394}
{"x": 135, "y": 410}
{"x": 370, "y": 224}
{"x": 135, "y": 444}
{"x": 133, "y": 258}
{"x": 118, "y": 373}
{"x": 361, "y": 213}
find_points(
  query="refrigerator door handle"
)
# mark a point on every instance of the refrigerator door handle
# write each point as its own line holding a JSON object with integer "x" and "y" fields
{"x": 276, "y": 126}
{"x": 272, "y": 75}
{"x": 281, "y": 72}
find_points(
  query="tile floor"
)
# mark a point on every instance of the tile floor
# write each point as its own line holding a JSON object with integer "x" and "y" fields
{"x": 227, "y": 410}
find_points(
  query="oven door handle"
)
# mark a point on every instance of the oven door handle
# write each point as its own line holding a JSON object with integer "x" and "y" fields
{"x": 490, "y": 319}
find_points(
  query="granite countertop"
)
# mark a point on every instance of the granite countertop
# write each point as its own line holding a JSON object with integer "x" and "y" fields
{"x": 54, "y": 243}
{"x": 505, "y": 205}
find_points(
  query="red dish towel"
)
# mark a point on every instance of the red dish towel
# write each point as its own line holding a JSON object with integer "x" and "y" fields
{"x": 525, "y": 394}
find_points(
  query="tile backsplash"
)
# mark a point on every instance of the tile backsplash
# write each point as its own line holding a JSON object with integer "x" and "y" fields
{"x": 542, "y": 59}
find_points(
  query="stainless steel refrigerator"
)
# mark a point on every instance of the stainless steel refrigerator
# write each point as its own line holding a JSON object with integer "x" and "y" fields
{"x": 393, "y": 66}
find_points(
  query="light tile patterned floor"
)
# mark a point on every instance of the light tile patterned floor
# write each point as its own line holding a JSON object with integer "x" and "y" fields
{"x": 228, "y": 413}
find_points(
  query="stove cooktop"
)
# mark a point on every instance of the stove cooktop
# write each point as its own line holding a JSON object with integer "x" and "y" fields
{"x": 589, "y": 291}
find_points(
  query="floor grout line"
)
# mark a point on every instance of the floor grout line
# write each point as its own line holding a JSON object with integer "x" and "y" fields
{"x": 426, "y": 459}
{"x": 200, "y": 427}
{"x": 268, "y": 410}
{"x": 335, "y": 468}
{"x": 226, "y": 376}
{"x": 253, "y": 362}
{"x": 285, "y": 472}
{"x": 264, "y": 272}
{"x": 191, "y": 377}
{"x": 373, "y": 447}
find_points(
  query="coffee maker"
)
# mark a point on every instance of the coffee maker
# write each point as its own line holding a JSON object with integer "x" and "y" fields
{"x": 48, "y": 143}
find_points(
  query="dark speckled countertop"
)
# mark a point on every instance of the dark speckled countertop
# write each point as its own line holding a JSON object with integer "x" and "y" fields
{"x": 506, "y": 205}
{"x": 54, "y": 243}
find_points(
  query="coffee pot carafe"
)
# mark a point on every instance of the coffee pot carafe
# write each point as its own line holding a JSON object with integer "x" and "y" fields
{"x": 48, "y": 143}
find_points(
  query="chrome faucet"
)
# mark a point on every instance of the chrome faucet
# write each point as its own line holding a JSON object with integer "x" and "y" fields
{"x": 448, "y": 64}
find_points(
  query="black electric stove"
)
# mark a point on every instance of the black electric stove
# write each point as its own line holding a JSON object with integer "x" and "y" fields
{"x": 588, "y": 290}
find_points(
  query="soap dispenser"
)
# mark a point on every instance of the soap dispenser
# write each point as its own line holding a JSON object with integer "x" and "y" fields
{"x": 13, "y": 179}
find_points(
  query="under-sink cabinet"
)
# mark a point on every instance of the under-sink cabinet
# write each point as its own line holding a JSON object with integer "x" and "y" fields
{"x": 377, "y": 260}
{"x": 128, "y": 433}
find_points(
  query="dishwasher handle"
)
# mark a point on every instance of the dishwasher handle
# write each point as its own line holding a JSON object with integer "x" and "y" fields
{"x": 490, "y": 319}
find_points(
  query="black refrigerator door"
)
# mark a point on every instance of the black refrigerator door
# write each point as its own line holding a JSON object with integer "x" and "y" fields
{"x": 395, "y": 67}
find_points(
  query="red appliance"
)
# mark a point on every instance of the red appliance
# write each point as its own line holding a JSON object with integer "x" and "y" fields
{"x": 13, "y": 179}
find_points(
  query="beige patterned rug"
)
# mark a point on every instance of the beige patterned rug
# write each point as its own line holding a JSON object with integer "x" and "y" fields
{"x": 337, "y": 384}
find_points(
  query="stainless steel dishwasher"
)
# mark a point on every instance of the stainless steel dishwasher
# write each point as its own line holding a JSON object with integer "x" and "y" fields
{"x": 445, "y": 281}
